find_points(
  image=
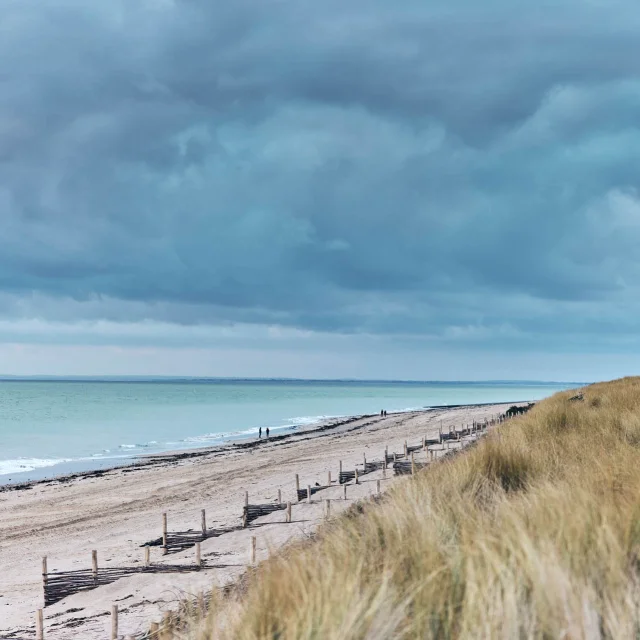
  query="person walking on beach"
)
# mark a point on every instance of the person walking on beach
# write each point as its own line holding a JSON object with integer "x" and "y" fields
{"x": 260, "y": 432}
{"x": 267, "y": 432}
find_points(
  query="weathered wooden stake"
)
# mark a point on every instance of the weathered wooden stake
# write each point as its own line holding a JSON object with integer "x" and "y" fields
{"x": 406, "y": 450}
{"x": 246, "y": 498}
{"x": 288, "y": 516}
{"x": 424, "y": 443}
{"x": 394, "y": 456}
{"x": 94, "y": 565}
{"x": 252, "y": 550}
{"x": 413, "y": 465}
{"x": 147, "y": 556}
{"x": 203, "y": 522}
{"x": 384, "y": 471}
{"x": 297, "y": 482}
{"x": 327, "y": 508}
{"x": 364, "y": 461}
{"x": 198, "y": 555}
{"x": 165, "y": 550}
{"x": 340, "y": 468}
{"x": 386, "y": 453}
{"x": 328, "y": 478}
{"x": 114, "y": 622}
{"x": 378, "y": 486}
{"x": 44, "y": 575}
{"x": 308, "y": 494}
{"x": 344, "y": 486}
{"x": 431, "y": 453}
{"x": 39, "y": 625}
{"x": 279, "y": 496}
{"x": 356, "y": 476}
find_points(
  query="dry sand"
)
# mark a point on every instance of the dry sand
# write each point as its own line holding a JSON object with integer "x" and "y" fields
{"x": 118, "y": 511}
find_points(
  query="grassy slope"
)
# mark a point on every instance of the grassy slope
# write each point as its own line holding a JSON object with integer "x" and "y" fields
{"x": 534, "y": 533}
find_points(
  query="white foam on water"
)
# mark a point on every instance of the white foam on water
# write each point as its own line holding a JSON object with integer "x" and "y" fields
{"x": 20, "y": 465}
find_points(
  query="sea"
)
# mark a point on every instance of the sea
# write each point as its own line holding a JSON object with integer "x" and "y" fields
{"x": 55, "y": 427}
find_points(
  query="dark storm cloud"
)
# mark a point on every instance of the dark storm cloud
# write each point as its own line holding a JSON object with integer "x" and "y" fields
{"x": 445, "y": 170}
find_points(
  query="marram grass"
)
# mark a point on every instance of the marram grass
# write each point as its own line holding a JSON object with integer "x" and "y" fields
{"x": 534, "y": 533}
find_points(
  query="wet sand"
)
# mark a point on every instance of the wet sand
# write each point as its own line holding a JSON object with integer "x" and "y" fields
{"x": 116, "y": 511}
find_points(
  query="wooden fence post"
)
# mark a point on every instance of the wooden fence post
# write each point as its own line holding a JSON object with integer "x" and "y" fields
{"x": 344, "y": 487}
{"x": 246, "y": 498}
{"x": 147, "y": 556}
{"x": 39, "y": 625}
{"x": 356, "y": 475}
{"x": 378, "y": 486}
{"x": 327, "y": 508}
{"x": 165, "y": 550}
{"x": 386, "y": 453}
{"x": 297, "y": 483}
{"x": 413, "y": 465}
{"x": 340, "y": 470}
{"x": 44, "y": 578}
{"x": 328, "y": 478}
{"x": 114, "y": 622}
{"x": 406, "y": 450}
{"x": 288, "y": 515}
{"x": 308, "y": 494}
{"x": 364, "y": 461}
{"x": 252, "y": 550}
{"x": 203, "y": 523}
{"x": 394, "y": 457}
{"x": 198, "y": 555}
{"x": 94, "y": 566}
{"x": 279, "y": 496}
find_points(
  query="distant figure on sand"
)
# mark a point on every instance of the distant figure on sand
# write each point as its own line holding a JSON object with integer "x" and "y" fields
{"x": 260, "y": 432}
{"x": 267, "y": 432}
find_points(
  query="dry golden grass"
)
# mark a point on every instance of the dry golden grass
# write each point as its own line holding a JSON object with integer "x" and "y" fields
{"x": 534, "y": 533}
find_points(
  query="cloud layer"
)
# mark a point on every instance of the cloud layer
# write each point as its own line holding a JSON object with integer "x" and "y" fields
{"x": 442, "y": 172}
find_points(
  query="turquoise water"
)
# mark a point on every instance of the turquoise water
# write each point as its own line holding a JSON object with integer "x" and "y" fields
{"x": 52, "y": 427}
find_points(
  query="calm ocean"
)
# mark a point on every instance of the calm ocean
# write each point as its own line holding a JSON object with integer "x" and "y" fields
{"x": 53, "y": 427}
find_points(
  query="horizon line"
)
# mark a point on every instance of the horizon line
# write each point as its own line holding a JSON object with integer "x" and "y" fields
{"x": 168, "y": 378}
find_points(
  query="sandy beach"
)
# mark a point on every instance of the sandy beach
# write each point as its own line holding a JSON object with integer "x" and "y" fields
{"x": 117, "y": 511}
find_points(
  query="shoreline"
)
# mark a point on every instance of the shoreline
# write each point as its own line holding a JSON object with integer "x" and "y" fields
{"x": 144, "y": 460}
{"x": 118, "y": 511}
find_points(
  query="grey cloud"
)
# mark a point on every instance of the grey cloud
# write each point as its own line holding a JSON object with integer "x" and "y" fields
{"x": 449, "y": 171}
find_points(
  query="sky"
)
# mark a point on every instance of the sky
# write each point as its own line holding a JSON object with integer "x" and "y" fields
{"x": 369, "y": 189}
